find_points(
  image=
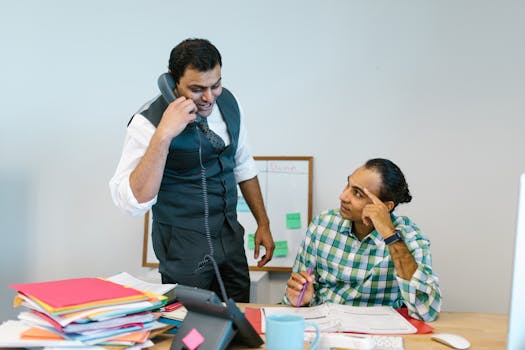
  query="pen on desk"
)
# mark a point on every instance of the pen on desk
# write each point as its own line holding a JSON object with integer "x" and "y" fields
{"x": 300, "y": 300}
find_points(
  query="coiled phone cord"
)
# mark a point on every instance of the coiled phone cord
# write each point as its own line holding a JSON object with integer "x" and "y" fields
{"x": 208, "y": 257}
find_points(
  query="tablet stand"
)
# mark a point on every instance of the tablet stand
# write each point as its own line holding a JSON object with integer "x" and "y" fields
{"x": 218, "y": 323}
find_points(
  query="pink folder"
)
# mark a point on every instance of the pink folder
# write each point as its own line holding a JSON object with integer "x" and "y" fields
{"x": 78, "y": 293}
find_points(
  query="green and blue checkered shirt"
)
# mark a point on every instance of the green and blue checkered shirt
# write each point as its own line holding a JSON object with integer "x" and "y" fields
{"x": 362, "y": 273}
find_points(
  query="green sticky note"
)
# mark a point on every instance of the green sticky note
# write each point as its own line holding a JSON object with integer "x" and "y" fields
{"x": 281, "y": 248}
{"x": 293, "y": 220}
{"x": 251, "y": 241}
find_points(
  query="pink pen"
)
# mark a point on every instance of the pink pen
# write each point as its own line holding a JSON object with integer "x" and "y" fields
{"x": 300, "y": 300}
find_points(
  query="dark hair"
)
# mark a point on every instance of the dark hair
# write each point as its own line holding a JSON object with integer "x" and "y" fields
{"x": 394, "y": 186}
{"x": 200, "y": 54}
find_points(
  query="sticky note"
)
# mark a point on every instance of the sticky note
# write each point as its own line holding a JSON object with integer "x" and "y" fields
{"x": 193, "y": 339}
{"x": 281, "y": 248}
{"x": 293, "y": 220}
{"x": 242, "y": 206}
{"x": 251, "y": 241}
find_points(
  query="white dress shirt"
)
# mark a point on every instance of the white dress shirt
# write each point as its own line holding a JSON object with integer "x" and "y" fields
{"x": 138, "y": 136}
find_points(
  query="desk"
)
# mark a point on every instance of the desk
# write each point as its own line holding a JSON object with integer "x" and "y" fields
{"x": 484, "y": 331}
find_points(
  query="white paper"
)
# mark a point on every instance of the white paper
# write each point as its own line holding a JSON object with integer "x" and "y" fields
{"x": 128, "y": 280}
{"x": 347, "y": 318}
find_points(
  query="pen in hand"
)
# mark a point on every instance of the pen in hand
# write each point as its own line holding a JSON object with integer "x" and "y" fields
{"x": 300, "y": 300}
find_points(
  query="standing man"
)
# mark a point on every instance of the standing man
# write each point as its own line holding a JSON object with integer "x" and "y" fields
{"x": 172, "y": 162}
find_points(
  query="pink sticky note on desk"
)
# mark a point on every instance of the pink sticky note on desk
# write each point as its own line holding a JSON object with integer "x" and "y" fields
{"x": 193, "y": 339}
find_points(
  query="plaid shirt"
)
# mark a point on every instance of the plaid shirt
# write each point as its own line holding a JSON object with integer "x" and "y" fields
{"x": 362, "y": 273}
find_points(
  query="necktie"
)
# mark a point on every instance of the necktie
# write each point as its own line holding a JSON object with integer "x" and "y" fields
{"x": 214, "y": 139}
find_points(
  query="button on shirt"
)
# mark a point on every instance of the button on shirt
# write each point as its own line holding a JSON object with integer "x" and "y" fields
{"x": 138, "y": 136}
{"x": 362, "y": 273}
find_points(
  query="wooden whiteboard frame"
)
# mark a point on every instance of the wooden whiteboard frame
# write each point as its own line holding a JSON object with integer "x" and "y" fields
{"x": 146, "y": 247}
{"x": 147, "y": 250}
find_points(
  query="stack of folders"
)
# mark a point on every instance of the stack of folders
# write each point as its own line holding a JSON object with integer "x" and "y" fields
{"x": 173, "y": 314}
{"x": 87, "y": 311}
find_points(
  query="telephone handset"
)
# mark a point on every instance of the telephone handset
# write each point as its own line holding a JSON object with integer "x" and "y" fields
{"x": 167, "y": 85}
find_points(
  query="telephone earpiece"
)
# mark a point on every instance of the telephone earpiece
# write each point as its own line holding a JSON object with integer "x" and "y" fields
{"x": 166, "y": 86}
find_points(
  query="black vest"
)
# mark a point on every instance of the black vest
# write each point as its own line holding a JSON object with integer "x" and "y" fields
{"x": 180, "y": 200}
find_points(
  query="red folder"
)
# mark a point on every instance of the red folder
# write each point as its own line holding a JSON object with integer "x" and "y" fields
{"x": 421, "y": 326}
{"x": 253, "y": 315}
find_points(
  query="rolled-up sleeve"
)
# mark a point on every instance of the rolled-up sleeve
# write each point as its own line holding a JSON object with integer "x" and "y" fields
{"x": 138, "y": 136}
{"x": 421, "y": 294}
{"x": 245, "y": 167}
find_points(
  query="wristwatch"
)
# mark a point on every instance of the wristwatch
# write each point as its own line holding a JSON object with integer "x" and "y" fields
{"x": 396, "y": 237}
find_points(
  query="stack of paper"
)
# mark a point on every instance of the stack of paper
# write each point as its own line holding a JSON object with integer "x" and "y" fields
{"x": 171, "y": 314}
{"x": 126, "y": 279}
{"x": 86, "y": 311}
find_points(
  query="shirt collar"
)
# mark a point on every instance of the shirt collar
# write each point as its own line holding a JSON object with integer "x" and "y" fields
{"x": 374, "y": 235}
{"x": 346, "y": 225}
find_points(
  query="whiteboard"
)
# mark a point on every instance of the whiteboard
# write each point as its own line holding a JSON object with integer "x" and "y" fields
{"x": 286, "y": 187}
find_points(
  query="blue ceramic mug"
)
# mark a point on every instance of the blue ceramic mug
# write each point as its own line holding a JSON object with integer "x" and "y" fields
{"x": 286, "y": 331}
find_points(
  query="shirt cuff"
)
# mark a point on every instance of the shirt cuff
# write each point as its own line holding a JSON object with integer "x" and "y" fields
{"x": 125, "y": 200}
{"x": 245, "y": 171}
{"x": 421, "y": 282}
{"x": 136, "y": 207}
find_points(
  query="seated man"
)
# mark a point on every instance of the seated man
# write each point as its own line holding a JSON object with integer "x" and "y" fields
{"x": 364, "y": 255}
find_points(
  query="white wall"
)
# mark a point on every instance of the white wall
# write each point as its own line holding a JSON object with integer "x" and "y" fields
{"x": 436, "y": 86}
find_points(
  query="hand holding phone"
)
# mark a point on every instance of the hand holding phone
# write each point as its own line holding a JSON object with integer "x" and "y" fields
{"x": 180, "y": 112}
